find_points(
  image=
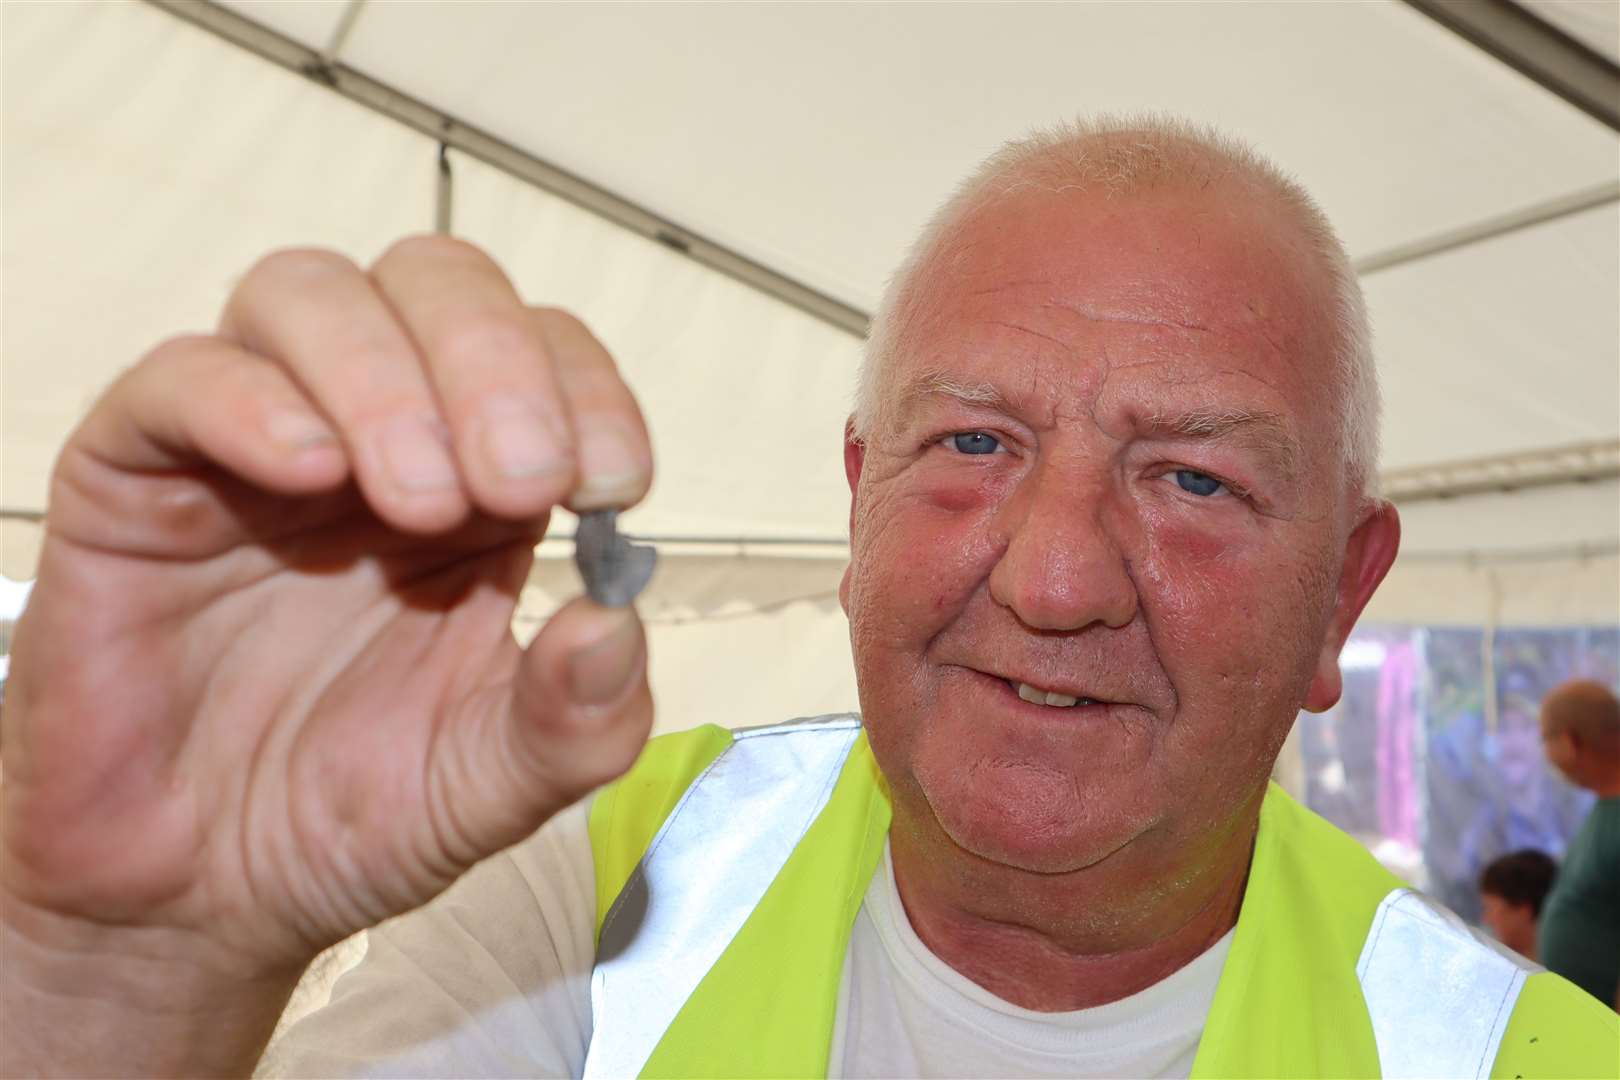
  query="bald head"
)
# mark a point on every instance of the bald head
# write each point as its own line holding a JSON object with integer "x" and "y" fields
{"x": 1580, "y": 727}
{"x": 1588, "y": 709}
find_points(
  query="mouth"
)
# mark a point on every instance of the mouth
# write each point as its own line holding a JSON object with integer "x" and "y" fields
{"x": 1057, "y": 699}
{"x": 1067, "y": 695}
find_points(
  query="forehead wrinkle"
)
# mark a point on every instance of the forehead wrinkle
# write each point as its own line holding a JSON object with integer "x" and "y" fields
{"x": 1012, "y": 286}
{"x": 1032, "y": 333}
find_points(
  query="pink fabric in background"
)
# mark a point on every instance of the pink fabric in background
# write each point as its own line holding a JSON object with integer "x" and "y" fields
{"x": 1397, "y": 733}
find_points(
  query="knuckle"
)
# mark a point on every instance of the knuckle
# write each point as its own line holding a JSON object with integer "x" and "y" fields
{"x": 430, "y": 247}
{"x": 180, "y": 350}
{"x": 485, "y": 338}
{"x": 289, "y": 270}
{"x": 296, "y": 266}
{"x": 562, "y": 320}
{"x": 574, "y": 338}
{"x": 203, "y": 376}
{"x": 600, "y": 389}
{"x": 180, "y": 360}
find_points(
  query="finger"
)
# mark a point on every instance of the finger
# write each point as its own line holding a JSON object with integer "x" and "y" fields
{"x": 319, "y": 316}
{"x": 615, "y": 455}
{"x": 491, "y": 370}
{"x": 177, "y": 456}
{"x": 574, "y": 717}
{"x": 198, "y": 400}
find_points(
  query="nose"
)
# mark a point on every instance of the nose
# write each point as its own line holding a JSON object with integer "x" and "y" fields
{"x": 1063, "y": 567}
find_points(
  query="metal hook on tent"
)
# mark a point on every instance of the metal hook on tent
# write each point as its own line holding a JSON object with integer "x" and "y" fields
{"x": 444, "y": 192}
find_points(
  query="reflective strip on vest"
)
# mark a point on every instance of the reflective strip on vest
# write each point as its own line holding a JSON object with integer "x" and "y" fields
{"x": 1439, "y": 996}
{"x": 704, "y": 873}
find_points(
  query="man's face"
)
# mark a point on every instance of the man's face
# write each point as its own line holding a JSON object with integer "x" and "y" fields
{"x": 1108, "y": 470}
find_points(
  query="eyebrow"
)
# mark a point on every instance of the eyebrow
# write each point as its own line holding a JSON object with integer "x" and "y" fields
{"x": 1265, "y": 432}
{"x": 928, "y": 384}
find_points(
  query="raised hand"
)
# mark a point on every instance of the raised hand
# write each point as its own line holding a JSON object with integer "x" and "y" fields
{"x": 265, "y": 692}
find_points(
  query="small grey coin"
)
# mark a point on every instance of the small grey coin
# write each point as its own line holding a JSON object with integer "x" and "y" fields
{"x": 614, "y": 569}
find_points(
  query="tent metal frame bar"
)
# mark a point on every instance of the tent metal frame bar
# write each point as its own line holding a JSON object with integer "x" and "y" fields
{"x": 1489, "y": 229}
{"x": 37, "y": 517}
{"x": 442, "y": 128}
{"x": 1482, "y": 557}
{"x": 1535, "y": 49}
{"x": 1583, "y": 462}
{"x": 325, "y": 68}
{"x": 341, "y": 32}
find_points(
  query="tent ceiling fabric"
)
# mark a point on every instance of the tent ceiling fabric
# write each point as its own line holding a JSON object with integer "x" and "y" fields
{"x": 136, "y": 191}
{"x": 745, "y": 397}
{"x": 740, "y": 390}
{"x": 1502, "y": 346}
{"x": 1442, "y": 137}
{"x": 816, "y": 137}
{"x": 148, "y": 163}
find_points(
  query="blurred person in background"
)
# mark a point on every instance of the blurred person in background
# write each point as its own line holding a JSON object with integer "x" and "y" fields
{"x": 1513, "y": 888}
{"x": 1580, "y": 928}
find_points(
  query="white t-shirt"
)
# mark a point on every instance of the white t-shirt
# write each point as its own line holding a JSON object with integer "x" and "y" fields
{"x": 493, "y": 979}
{"x": 905, "y": 1012}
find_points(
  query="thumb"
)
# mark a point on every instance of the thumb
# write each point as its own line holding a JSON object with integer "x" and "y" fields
{"x": 575, "y": 716}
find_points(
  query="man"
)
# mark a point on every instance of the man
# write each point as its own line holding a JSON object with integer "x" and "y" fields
{"x": 1580, "y": 936}
{"x": 1513, "y": 889}
{"x": 1111, "y": 524}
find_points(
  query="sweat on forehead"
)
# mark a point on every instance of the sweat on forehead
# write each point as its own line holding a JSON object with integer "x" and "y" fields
{"x": 1121, "y": 160}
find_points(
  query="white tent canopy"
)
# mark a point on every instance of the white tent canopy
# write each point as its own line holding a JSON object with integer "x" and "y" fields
{"x": 147, "y": 163}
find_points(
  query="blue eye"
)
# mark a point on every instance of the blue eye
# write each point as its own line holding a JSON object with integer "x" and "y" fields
{"x": 974, "y": 442}
{"x": 1197, "y": 483}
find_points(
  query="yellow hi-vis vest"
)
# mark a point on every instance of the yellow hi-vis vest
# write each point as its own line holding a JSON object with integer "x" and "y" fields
{"x": 730, "y": 867}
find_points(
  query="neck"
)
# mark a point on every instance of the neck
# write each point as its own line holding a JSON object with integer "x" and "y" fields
{"x": 1526, "y": 945}
{"x": 1058, "y": 942}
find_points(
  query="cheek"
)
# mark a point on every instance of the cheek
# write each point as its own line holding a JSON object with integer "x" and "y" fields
{"x": 1196, "y": 582}
{"x": 920, "y": 554}
{"x": 1201, "y": 548}
{"x": 1232, "y": 615}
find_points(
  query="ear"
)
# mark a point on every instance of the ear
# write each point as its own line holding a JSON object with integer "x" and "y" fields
{"x": 1367, "y": 558}
{"x": 854, "y": 461}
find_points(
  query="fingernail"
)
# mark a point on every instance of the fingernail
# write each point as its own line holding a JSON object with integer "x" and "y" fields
{"x": 297, "y": 430}
{"x": 600, "y": 671}
{"x": 416, "y": 454}
{"x": 610, "y": 471}
{"x": 517, "y": 443}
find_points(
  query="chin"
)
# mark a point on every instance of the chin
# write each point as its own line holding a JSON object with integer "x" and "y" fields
{"x": 1029, "y": 817}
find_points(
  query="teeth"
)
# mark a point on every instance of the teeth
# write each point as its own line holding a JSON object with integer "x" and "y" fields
{"x": 1036, "y": 696}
